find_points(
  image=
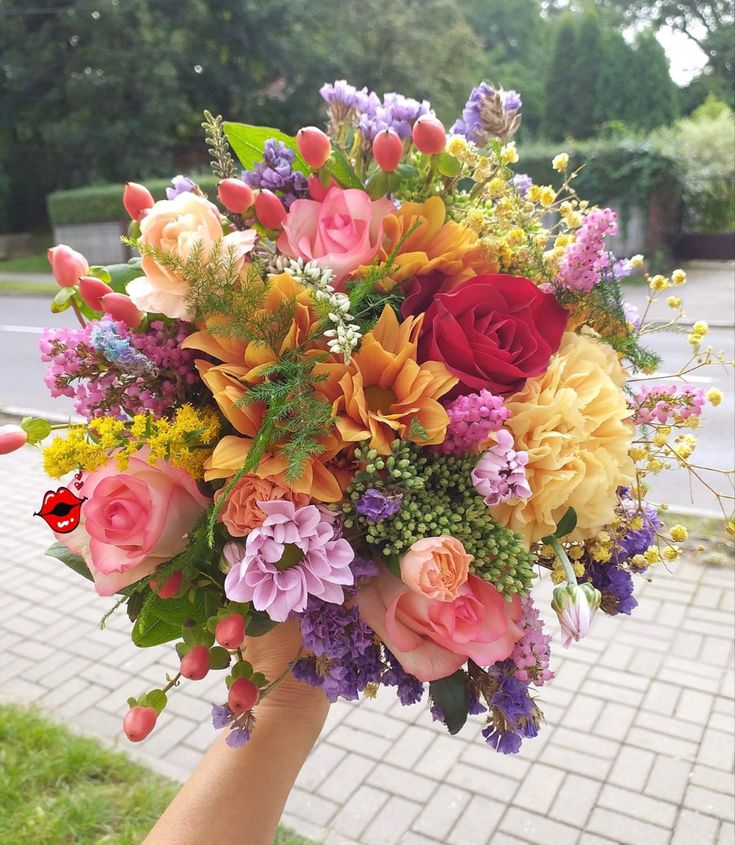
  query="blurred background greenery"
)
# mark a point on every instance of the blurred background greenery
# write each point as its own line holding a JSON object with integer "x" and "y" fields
{"x": 99, "y": 91}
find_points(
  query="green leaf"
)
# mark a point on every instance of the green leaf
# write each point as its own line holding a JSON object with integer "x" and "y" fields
{"x": 259, "y": 679}
{"x": 343, "y": 171}
{"x": 219, "y": 658}
{"x": 407, "y": 171}
{"x": 62, "y": 300}
{"x": 448, "y": 165}
{"x": 566, "y": 525}
{"x": 100, "y": 273}
{"x": 156, "y": 699}
{"x": 150, "y": 630}
{"x": 378, "y": 185}
{"x": 177, "y": 610}
{"x": 182, "y": 649}
{"x": 259, "y": 623}
{"x": 248, "y": 142}
{"x": 135, "y": 606}
{"x": 452, "y": 695}
{"x": 70, "y": 559}
{"x": 36, "y": 429}
{"x": 121, "y": 274}
{"x": 242, "y": 669}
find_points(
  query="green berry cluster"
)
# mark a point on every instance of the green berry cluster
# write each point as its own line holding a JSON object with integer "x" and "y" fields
{"x": 438, "y": 498}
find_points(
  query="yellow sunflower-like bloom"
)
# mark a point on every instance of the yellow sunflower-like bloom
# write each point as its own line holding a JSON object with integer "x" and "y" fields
{"x": 384, "y": 393}
{"x": 574, "y": 423}
{"x": 437, "y": 245}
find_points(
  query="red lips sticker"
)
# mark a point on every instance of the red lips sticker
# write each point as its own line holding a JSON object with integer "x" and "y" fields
{"x": 61, "y": 510}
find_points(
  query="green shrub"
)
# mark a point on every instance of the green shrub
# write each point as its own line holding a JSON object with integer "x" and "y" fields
{"x": 99, "y": 203}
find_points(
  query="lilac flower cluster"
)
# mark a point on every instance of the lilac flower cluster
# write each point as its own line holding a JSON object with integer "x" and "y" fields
{"x": 663, "y": 403}
{"x": 110, "y": 370}
{"x": 616, "y": 586}
{"x": 276, "y": 173}
{"x": 584, "y": 261}
{"x": 179, "y": 185}
{"x": 488, "y": 113}
{"x": 500, "y": 473}
{"x": 472, "y": 418}
{"x": 349, "y": 105}
{"x": 515, "y": 716}
{"x": 532, "y": 652}
{"x": 375, "y": 505}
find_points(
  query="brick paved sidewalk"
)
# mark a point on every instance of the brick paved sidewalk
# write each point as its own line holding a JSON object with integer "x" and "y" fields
{"x": 638, "y": 749}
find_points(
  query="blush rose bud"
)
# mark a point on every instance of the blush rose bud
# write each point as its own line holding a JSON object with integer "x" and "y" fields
{"x": 429, "y": 135}
{"x": 387, "y": 150}
{"x": 139, "y": 722}
{"x": 92, "y": 289}
{"x": 235, "y": 195}
{"x": 170, "y": 587}
{"x": 12, "y": 437}
{"x": 195, "y": 664}
{"x": 230, "y": 631}
{"x": 121, "y": 307}
{"x": 137, "y": 199}
{"x": 314, "y": 146}
{"x": 243, "y": 696}
{"x": 67, "y": 265}
{"x": 575, "y": 605}
{"x": 317, "y": 190}
{"x": 269, "y": 210}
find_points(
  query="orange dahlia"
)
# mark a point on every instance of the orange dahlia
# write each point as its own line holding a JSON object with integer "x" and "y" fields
{"x": 384, "y": 393}
{"x": 437, "y": 245}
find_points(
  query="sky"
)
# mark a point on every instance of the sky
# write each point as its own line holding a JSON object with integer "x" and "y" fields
{"x": 686, "y": 59}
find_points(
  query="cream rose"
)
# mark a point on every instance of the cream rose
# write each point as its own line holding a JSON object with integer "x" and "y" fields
{"x": 177, "y": 226}
{"x": 436, "y": 567}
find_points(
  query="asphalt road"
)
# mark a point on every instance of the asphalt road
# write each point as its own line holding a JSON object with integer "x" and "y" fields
{"x": 22, "y": 387}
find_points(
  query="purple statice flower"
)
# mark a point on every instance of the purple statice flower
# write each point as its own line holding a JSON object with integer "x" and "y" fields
{"x": 409, "y": 689}
{"x": 375, "y": 505}
{"x": 394, "y": 112}
{"x": 111, "y": 370}
{"x": 345, "y": 678}
{"x": 489, "y": 113}
{"x": 237, "y": 737}
{"x": 500, "y": 473}
{"x": 222, "y": 716}
{"x": 635, "y": 541}
{"x": 522, "y": 183}
{"x": 585, "y": 259}
{"x": 512, "y": 102}
{"x": 615, "y": 585}
{"x": 532, "y": 652}
{"x": 342, "y": 98}
{"x": 179, "y": 185}
{"x": 632, "y": 315}
{"x": 515, "y": 716}
{"x": 472, "y": 418}
{"x": 471, "y": 125}
{"x": 363, "y": 568}
{"x": 476, "y": 707}
{"x": 241, "y": 727}
{"x": 275, "y": 173}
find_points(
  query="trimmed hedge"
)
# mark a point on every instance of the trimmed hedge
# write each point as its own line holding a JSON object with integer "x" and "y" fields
{"x": 101, "y": 203}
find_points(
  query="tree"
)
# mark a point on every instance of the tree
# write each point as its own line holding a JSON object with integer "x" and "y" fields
{"x": 587, "y": 63}
{"x": 615, "y": 81}
{"x": 654, "y": 94}
{"x": 561, "y": 82}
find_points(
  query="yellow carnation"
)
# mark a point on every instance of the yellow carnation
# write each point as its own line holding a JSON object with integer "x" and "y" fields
{"x": 574, "y": 424}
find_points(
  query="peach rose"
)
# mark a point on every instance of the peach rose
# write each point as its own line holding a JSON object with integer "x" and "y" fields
{"x": 341, "y": 232}
{"x": 241, "y": 512}
{"x": 134, "y": 520}
{"x": 177, "y": 226}
{"x": 436, "y": 567}
{"x": 431, "y": 639}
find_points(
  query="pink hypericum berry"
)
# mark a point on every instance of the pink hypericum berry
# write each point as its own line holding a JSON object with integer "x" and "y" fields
{"x": 170, "y": 586}
{"x": 429, "y": 135}
{"x": 317, "y": 190}
{"x": 269, "y": 210}
{"x": 230, "y": 631}
{"x": 235, "y": 195}
{"x": 244, "y": 695}
{"x": 195, "y": 664}
{"x": 387, "y": 150}
{"x": 91, "y": 289}
{"x": 137, "y": 199}
{"x": 12, "y": 437}
{"x": 67, "y": 265}
{"x": 314, "y": 146}
{"x": 139, "y": 722}
{"x": 121, "y": 307}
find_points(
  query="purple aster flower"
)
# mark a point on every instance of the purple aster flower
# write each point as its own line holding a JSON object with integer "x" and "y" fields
{"x": 275, "y": 173}
{"x": 522, "y": 183}
{"x": 293, "y": 554}
{"x": 616, "y": 586}
{"x": 180, "y": 185}
{"x": 377, "y": 506}
{"x": 408, "y": 688}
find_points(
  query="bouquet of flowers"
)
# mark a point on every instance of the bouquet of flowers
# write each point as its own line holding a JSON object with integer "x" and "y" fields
{"x": 377, "y": 387}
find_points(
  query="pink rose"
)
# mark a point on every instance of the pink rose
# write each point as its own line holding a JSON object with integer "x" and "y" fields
{"x": 431, "y": 639}
{"x": 436, "y": 567}
{"x": 341, "y": 232}
{"x": 133, "y": 521}
{"x": 177, "y": 226}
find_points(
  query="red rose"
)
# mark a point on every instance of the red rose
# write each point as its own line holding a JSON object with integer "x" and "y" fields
{"x": 492, "y": 332}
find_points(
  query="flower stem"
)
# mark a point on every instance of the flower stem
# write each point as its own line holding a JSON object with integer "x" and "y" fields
{"x": 565, "y": 562}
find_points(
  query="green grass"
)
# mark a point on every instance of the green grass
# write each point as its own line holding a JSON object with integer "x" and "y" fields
{"x": 33, "y": 288}
{"x": 36, "y": 263}
{"x": 57, "y": 788}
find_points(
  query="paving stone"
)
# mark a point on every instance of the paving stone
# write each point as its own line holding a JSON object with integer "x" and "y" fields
{"x": 709, "y": 802}
{"x": 364, "y": 743}
{"x": 625, "y": 829}
{"x": 615, "y": 720}
{"x": 713, "y": 779}
{"x": 311, "y": 807}
{"x": 361, "y": 808}
{"x": 400, "y": 782}
{"x": 321, "y": 764}
{"x": 537, "y": 829}
{"x": 668, "y": 779}
{"x": 632, "y": 767}
{"x": 639, "y": 806}
{"x": 389, "y": 826}
{"x": 694, "y": 705}
{"x": 410, "y": 746}
{"x": 727, "y": 834}
{"x": 694, "y": 828}
{"x": 717, "y": 750}
{"x": 483, "y": 781}
{"x": 655, "y": 741}
{"x": 662, "y": 698}
{"x": 538, "y": 789}
{"x": 575, "y": 761}
{"x": 440, "y": 758}
{"x": 442, "y": 811}
{"x": 575, "y": 800}
{"x": 477, "y": 822}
